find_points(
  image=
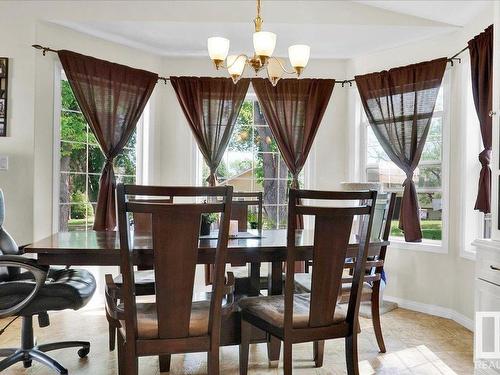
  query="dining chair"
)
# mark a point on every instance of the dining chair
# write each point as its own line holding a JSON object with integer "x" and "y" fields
{"x": 173, "y": 323}
{"x": 315, "y": 316}
{"x": 381, "y": 230}
{"x": 242, "y": 204}
{"x": 144, "y": 275}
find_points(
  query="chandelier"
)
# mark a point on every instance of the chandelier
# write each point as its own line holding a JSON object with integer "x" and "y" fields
{"x": 263, "y": 44}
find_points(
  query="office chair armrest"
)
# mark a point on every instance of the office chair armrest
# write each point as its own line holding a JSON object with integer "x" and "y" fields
{"x": 112, "y": 293}
{"x": 39, "y": 273}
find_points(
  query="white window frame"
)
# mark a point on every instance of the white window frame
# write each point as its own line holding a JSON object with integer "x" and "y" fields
{"x": 142, "y": 147}
{"x": 432, "y": 246}
{"x": 471, "y": 222}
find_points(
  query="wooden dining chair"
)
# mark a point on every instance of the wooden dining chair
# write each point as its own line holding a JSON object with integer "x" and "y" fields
{"x": 173, "y": 323}
{"x": 144, "y": 276}
{"x": 240, "y": 210}
{"x": 381, "y": 230}
{"x": 315, "y": 316}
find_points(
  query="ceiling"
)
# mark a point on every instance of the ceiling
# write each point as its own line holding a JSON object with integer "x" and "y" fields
{"x": 333, "y": 29}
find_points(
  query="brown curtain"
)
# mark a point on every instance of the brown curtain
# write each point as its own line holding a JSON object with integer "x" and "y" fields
{"x": 211, "y": 107}
{"x": 294, "y": 109}
{"x": 399, "y": 104}
{"x": 481, "y": 62}
{"x": 112, "y": 98}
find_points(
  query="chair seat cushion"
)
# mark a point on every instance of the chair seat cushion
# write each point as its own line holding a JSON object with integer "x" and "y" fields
{"x": 147, "y": 320}
{"x": 271, "y": 309}
{"x": 64, "y": 289}
{"x": 144, "y": 282}
{"x": 140, "y": 277}
{"x": 303, "y": 285}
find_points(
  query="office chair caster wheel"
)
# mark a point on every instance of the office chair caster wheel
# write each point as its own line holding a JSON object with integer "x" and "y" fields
{"x": 27, "y": 364}
{"x": 82, "y": 353}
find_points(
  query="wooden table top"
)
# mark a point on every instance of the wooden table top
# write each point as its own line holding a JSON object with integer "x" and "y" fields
{"x": 103, "y": 248}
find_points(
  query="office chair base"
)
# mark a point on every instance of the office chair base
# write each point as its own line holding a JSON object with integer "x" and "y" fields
{"x": 30, "y": 352}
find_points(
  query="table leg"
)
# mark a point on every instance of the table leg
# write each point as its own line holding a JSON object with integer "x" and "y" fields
{"x": 275, "y": 278}
{"x": 254, "y": 275}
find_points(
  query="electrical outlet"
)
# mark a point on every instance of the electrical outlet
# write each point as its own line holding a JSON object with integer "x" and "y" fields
{"x": 4, "y": 162}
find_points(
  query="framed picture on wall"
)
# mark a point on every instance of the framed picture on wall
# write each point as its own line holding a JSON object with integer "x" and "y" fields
{"x": 4, "y": 79}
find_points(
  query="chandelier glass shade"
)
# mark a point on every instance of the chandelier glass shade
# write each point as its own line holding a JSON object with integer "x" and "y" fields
{"x": 264, "y": 43}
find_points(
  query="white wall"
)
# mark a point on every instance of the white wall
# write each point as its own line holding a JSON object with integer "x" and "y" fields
{"x": 445, "y": 281}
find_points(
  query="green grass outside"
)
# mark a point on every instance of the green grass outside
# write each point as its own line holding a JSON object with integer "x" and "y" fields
{"x": 74, "y": 224}
{"x": 431, "y": 229}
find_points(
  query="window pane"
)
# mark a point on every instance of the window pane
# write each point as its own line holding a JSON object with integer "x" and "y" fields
{"x": 239, "y": 164}
{"x": 266, "y": 165}
{"x": 430, "y": 216}
{"x": 96, "y": 159}
{"x": 258, "y": 115}
{"x": 125, "y": 162}
{"x": 73, "y": 127}
{"x": 93, "y": 187}
{"x": 429, "y": 176}
{"x": 264, "y": 140}
{"x": 433, "y": 143}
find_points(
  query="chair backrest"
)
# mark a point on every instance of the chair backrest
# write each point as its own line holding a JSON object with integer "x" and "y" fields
{"x": 7, "y": 245}
{"x": 332, "y": 232}
{"x": 381, "y": 230}
{"x": 175, "y": 236}
{"x": 142, "y": 222}
{"x": 242, "y": 201}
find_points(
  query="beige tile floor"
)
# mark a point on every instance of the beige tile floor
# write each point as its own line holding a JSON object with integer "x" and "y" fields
{"x": 416, "y": 344}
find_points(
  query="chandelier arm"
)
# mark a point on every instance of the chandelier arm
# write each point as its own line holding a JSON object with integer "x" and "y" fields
{"x": 236, "y": 59}
{"x": 282, "y": 66}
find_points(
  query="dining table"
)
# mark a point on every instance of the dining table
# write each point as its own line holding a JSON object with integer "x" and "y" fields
{"x": 93, "y": 248}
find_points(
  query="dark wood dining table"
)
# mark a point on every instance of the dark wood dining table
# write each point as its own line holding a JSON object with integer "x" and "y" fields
{"x": 103, "y": 249}
{"x": 93, "y": 248}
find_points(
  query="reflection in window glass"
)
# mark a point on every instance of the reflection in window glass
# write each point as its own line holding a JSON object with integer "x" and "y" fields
{"x": 81, "y": 163}
{"x": 252, "y": 162}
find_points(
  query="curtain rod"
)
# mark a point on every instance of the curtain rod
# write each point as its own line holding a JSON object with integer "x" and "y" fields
{"x": 48, "y": 49}
{"x": 341, "y": 82}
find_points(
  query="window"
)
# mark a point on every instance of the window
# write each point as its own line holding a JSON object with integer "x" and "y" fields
{"x": 80, "y": 165}
{"x": 428, "y": 176}
{"x": 252, "y": 162}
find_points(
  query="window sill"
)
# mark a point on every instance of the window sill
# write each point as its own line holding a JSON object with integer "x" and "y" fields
{"x": 429, "y": 246}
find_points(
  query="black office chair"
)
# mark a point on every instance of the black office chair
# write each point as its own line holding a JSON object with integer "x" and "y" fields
{"x": 35, "y": 292}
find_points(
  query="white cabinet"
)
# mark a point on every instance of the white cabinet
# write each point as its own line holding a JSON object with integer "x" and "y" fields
{"x": 487, "y": 300}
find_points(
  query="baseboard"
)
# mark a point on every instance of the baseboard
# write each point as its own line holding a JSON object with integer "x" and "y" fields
{"x": 440, "y": 311}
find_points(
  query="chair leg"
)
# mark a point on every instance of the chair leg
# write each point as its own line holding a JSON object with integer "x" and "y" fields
{"x": 213, "y": 361}
{"x": 47, "y": 361}
{"x": 246, "y": 330}
{"x": 273, "y": 350}
{"x": 375, "y": 304}
{"x": 287, "y": 358}
{"x": 121, "y": 354}
{"x": 112, "y": 337}
{"x": 85, "y": 345}
{"x": 131, "y": 362}
{"x": 7, "y": 352}
{"x": 351, "y": 354}
{"x": 11, "y": 360}
{"x": 164, "y": 361}
{"x": 319, "y": 349}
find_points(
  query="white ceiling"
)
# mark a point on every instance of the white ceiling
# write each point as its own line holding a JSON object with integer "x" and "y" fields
{"x": 333, "y": 29}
